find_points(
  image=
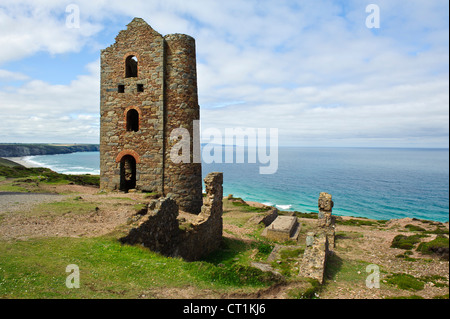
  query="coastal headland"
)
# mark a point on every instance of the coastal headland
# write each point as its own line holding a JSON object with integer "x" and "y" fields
{"x": 20, "y": 150}
{"x": 49, "y": 221}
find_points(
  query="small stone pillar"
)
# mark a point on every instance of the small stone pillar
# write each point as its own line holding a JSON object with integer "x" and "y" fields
{"x": 212, "y": 210}
{"x": 326, "y": 221}
{"x": 214, "y": 193}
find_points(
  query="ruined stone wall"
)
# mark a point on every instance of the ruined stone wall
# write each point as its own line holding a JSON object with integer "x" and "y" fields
{"x": 315, "y": 256}
{"x": 160, "y": 230}
{"x": 205, "y": 236}
{"x": 164, "y": 95}
{"x": 319, "y": 241}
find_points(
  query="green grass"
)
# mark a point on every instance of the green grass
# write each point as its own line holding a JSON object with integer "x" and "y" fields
{"x": 10, "y": 187}
{"x": 247, "y": 208}
{"x": 406, "y": 256}
{"x": 309, "y": 290}
{"x": 346, "y": 270}
{"x": 36, "y": 269}
{"x": 8, "y": 163}
{"x": 414, "y": 228}
{"x": 45, "y": 175}
{"x": 438, "y": 231}
{"x": 439, "y": 245}
{"x": 405, "y": 282}
{"x": 406, "y": 242}
{"x": 409, "y": 282}
{"x": 238, "y": 251}
{"x": 286, "y": 261}
{"x": 357, "y": 222}
{"x": 305, "y": 215}
{"x": 73, "y": 206}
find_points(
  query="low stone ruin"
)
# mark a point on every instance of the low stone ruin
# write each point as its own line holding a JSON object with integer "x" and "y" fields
{"x": 161, "y": 229}
{"x": 265, "y": 218}
{"x": 315, "y": 256}
{"x": 319, "y": 241}
{"x": 283, "y": 228}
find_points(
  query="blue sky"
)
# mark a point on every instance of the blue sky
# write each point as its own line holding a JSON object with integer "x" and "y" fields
{"x": 310, "y": 68}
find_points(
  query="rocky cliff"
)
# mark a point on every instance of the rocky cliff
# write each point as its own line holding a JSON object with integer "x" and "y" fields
{"x": 18, "y": 150}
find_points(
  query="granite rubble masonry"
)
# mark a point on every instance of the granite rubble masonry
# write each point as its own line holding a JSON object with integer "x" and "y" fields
{"x": 319, "y": 241}
{"x": 326, "y": 221}
{"x": 265, "y": 218}
{"x": 283, "y": 228}
{"x": 148, "y": 88}
{"x": 205, "y": 235}
{"x": 315, "y": 256}
{"x": 160, "y": 229}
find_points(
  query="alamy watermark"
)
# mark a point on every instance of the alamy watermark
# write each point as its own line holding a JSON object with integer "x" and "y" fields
{"x": 73, "y": 16}
{"x": 373, "y": 280}
{"x": 373, "y": 19}
{"x": 73, "y": 280}
{"x": 262, "y": 146}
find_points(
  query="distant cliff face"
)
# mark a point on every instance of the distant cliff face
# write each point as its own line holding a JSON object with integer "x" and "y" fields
{"x": 18, "y": 150}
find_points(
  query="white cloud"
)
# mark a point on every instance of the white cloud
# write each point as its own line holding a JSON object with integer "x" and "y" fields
{"x": 310, "y": 68}
{"x": 28, "y": 27}
{"x": 40, "y": 111}
{"x": 8, "y": 76}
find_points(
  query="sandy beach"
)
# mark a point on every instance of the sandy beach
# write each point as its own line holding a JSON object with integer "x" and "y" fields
{"x": 22, "y": 161}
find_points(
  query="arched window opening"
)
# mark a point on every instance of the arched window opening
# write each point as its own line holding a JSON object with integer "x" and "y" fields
{"x": 132, "y": 121}
{"x": 127, "y": 173}
{"x": 131, "y": 67}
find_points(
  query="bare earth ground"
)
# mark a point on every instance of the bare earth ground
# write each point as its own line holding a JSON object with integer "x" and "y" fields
{"x": 111, "y": 213}
{"x": 354, "y": 244}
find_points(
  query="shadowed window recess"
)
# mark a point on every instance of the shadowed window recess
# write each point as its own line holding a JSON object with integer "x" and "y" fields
{"x": 132, "y": 120}
{"x": 131, "y": 67}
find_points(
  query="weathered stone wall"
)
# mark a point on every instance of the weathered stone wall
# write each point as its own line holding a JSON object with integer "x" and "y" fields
{"x": 166, "y": 99}
{"x": 319, "y": 241}
{"x": 181, "y": 107}
{"x": 160, "y": 230}
{"x": 265, "y": 218}
{"x": 140, "y": 40}
{"x": 315, "y": 256}
{"x": 205, "y": 236}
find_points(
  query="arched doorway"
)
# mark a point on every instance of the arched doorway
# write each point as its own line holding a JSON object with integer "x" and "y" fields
{"x": 127, "y": 173}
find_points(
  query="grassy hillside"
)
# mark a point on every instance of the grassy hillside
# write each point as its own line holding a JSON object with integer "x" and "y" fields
{"x": 13, "y": 174}
{"x": 36, "y": 268}
{"x": 7, "y": 163}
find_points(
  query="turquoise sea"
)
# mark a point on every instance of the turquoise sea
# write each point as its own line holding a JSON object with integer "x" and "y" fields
{"x": 366, "y": 182}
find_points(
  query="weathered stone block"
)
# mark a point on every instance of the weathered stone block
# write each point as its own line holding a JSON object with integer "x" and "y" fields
{"x": 283, "y": 228}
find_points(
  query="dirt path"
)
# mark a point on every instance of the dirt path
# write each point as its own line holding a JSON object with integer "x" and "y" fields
{"x": 12, "y": 202}
{"x": 88, "y": 213}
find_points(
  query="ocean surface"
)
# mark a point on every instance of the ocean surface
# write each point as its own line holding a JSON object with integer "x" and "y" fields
{"x": 375, "y": 183}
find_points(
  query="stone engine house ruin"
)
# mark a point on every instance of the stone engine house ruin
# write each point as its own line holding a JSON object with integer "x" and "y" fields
{"x": 148, "y": 89}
